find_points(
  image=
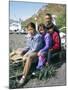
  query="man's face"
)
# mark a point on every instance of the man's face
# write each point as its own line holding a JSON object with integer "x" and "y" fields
{"x": 47, "y": 19}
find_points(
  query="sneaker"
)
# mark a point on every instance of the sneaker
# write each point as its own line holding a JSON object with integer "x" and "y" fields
{"x": 33, "y": 73}
{"x": 21, "y": 82}
{"x": 39, "y": 67}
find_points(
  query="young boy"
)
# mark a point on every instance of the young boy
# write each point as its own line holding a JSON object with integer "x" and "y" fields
{"x": 34, "y": 44}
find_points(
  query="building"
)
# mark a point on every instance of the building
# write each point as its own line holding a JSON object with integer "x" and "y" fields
{"x": 14, "y": 25}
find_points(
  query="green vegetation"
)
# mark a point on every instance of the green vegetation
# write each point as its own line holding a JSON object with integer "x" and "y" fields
{"x": 61, "y": 20}
{"x": 46, "y": 73}
{"x": 55, "y": 9}
{"x": 16, "y": 71}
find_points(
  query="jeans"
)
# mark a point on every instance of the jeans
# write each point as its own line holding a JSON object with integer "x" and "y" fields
{"x": 50, "y": 54}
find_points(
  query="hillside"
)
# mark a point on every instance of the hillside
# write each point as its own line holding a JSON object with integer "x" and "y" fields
{"x": 56, "y": 9}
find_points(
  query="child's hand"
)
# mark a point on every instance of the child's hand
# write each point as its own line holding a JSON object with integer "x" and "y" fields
{"x": 39, "y": 54}
{"x": 24, "y": 58}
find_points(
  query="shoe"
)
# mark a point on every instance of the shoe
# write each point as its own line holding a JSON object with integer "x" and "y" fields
{"x": 21, "y": 82}
{"x": 33, "y": 73}
{"x": 39, "y": 67}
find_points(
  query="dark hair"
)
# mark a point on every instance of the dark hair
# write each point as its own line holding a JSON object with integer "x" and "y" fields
{"x": 41, "y": 25}
{"x": 48, "y": 14}
{"x": 32, "y": 25}
{"x": 52, "y": 26}
{"x": 49, "y": 26}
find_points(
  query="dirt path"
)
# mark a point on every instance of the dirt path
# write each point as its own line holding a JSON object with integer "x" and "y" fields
{"x": 58, "y": 80}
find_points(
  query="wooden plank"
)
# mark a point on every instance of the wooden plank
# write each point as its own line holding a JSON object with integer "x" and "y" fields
{"x": 18, "y": 61}
{"x": 20, "y": 74}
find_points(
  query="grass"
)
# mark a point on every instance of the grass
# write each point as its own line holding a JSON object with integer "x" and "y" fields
{"x": 46, "y": 73}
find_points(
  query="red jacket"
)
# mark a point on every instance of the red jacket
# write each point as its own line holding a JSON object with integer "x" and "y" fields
{"x": 56, "y": 40}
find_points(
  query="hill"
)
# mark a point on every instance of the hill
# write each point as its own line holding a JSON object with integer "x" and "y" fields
{"x": 54, "y": 9}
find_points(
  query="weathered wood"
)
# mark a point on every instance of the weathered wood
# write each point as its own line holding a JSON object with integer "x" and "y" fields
{"x": 20, "y": 74}
{"x": 17, "y": 61}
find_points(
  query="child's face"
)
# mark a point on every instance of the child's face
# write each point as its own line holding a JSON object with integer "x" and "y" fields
{"x": 41, "y": 30}
{"x": 30, "y": 30}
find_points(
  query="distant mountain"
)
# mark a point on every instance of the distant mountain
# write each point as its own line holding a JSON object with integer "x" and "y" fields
{"x": 54, "y": 9}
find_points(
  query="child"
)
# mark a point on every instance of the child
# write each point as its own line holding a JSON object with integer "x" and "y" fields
{"x": 47, "y": 44}
{"x": 34, "y": 44}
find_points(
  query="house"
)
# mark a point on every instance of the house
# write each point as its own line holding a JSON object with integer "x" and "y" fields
{"x": 14, "y": 25}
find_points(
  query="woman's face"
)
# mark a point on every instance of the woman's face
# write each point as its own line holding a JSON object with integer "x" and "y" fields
{"x": 41, "y": 30}
{"x": 50, "y": 30}
{"x": 30, "y": 30}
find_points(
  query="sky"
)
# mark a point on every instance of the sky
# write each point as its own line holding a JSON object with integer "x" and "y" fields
{"x": 23, "y": 10}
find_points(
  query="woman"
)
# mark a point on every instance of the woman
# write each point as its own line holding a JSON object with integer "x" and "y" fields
{"x": 56, "y": 42}
{"x": 47, "y": 44}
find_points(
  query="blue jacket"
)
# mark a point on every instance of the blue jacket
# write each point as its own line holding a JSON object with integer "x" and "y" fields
{"x": 35, "y": 43}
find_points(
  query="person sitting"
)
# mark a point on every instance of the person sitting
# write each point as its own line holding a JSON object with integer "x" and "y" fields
{"x": 34, "y": 44}
{"x": 49, "y": 22}
{"x": 47, "y": 44}
{"x": 56, "y": 42}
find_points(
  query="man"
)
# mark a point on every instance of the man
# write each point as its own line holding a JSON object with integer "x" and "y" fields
{"x": 48, "y": 19}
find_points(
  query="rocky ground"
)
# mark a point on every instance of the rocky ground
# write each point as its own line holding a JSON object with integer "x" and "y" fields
{"x": 18, "y": 40}
{"x": 58, "y": 80}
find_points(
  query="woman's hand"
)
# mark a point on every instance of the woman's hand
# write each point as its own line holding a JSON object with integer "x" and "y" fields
{"x": 51, "y": 49}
